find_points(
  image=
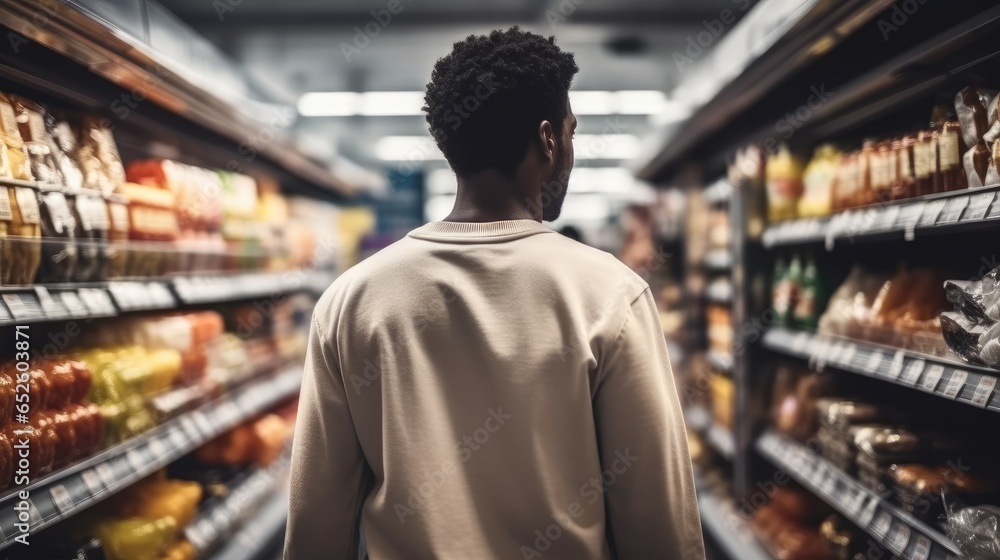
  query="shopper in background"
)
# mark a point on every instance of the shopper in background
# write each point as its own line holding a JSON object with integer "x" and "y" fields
{"x": 485, "y": 387}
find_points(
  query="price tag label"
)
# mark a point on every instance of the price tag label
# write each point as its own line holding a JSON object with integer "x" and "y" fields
{"x": 932, "y": 377}
{"x": 931, "y": 212}
{"x": 887, "y": 221}
{"x": 909, "y": 217}
{"x": 98, "y": 301}
{"x": 953, "y": 210}
{"x": 190, "y": 428}
{"x": 954, "y": 387}
{"x": 204, "y": 426}
{"x": 136, "y": 460}
{"x": 107, "y": 474}
{"x": 868, "y": 513}
{"x": 984, "y": 390}
{"x": 896, "y": 367}
{"x": 50, "y": 307}
{"x": 855, "y": 501}
{"x": 158, "y": 449}
{"x": 979, "y": 204}
{"x": 73, "y": 304}
{"x": 874, "y": 362}
{"x": 61, "y": 498}
{"x": 899, "y": 538}
{"x": 24, "y": 306}
{"x": 913, "y": 371}
{"x": 882, "y": 524}
{"x": 35, "y": 517}
{"x": 92, "y": 481}
{"x": 848, "y": 357}
{"x": 922, "y": 550}
{"x": 178, "y": 439}
{"x": 800, "y": 343}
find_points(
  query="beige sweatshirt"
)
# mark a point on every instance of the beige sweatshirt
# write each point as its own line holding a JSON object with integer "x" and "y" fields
{"x": 490, "y": 391}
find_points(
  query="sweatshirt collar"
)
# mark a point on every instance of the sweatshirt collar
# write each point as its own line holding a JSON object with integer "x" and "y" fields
{"x": 478, "y": 232}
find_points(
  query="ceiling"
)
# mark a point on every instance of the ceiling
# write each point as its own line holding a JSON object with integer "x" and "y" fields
{"x": 296, "y": 46}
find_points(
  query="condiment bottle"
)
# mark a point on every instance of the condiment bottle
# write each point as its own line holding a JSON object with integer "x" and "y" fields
{"x": 924, "y": 162}
{"x": 881, "y": 183}
{"x": 903, "y": 186}
{"x": 865, "y": 194}
{"x": 950, "y": 150}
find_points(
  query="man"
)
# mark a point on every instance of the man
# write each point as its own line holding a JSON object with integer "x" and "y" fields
{"x": 486, "y": 388}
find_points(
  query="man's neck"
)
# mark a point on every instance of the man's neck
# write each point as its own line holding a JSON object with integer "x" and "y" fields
{"x": 490, "y": 197}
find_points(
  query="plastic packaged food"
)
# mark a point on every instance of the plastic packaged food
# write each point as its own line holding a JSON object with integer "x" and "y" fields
{"x": 63, "y": 142}
{"x": 15, "y": 159}
{"x": 978, "y": 300}
{"x": 118, "y": 235}
{"x": 976, "y": 531}
{"x": 923, "y": 490}
{"x": 881, "y": 173}
{"x": 846, "y": 185}
{"x": 22, "y": 248}
{"x": 98, "y": 156}
{"x": 58, "y": 229}
{"x": 993, "y": 117}
{"x": 784, "y": 185}
{"x": 136, "y": 538}
{"x": 976, "y": 163}
{"x": 152, "y": 217}
{"x": 31, "y": 118}
{"x": 970, "y": 106}
{"x": 92, "y": 222}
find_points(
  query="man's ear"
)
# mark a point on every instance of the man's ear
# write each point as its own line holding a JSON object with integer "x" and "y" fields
{"x": 547, "y": 141}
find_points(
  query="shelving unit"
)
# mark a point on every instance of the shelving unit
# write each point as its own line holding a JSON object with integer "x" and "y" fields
{"x": 942, "y": 377}
{"x": 259, "y": 532}
{"x": 905, "y": 536}
{"x": 724, "y": 524}
{"x": 77, "y": 487}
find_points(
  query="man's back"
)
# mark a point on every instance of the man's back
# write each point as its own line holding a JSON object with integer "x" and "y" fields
{"x": 490, "y": 390}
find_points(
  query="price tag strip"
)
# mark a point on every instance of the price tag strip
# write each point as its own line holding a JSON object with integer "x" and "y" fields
{"x": 932, "y": 377}
{"x": 880, "y": 519}
{"x": 984, "y": 390}
{"x": 896, "y": 367}
{"x": 955, "y": 385}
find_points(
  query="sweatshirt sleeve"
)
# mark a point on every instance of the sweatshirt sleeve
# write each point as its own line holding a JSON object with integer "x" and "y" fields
{"x": 327, "y": 463}
{"x": 652, "y": 508}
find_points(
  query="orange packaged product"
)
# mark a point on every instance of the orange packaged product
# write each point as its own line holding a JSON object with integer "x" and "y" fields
{"x": 61, "y": 382}
{"x": 39, "y": 388}
{"x": 43, "y": 454}
{"x": 82, "y": 379}
{"x": 67, "y": 447}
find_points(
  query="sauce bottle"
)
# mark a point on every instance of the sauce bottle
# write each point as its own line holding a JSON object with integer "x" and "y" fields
{"x": 924, "y": 162}
{"x": 904, "y": 185}
{"x": 866, "y": 193}
{"x": 950, "y": 149}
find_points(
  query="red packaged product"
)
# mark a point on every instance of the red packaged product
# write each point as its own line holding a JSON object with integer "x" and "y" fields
{"x": 61, "y": 382}
{"x": 67, "y": 447}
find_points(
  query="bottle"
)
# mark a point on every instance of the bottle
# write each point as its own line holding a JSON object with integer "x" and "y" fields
{"x": 866, "y": 158}
{"x": 784, "y": 185}
{"x": 818, "y": 179}
{"x": 924, "y": 162}
{"x": 846, "y": 185}
{"x": 794, "y": 280}
{"x": 904, "y": 186}
{"x": 779, "y": 293}
{"x": 881, "y": 174}
{"x": 810, "y": 296}
{"x": 950, "y": 150}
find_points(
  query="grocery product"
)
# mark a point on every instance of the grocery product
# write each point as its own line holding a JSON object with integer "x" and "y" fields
{"x": 254, "y": 443}
{"x": 866, "y": 163}
{"x": 98, "y": 156}
{"x": 818, "y": 180}
{"x": 784, "y": 185}
{"x": 119, "y": 227}
{"x": 971, "y": 107}
{"x": 22, "y": 248}
{"x": 64, "y": 149}
{"x": 13, "y": 159}
{"x": 31, "y": 119}
{"x": 90, "y": 213}
{"x": 58, "y": 231}
{"x": 975, "y": 531}
{"x": 811, "y": 296}
{"x": 976, "y": 163}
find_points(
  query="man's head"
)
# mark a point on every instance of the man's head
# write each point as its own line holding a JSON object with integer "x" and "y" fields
{"x": 499, "y": 104}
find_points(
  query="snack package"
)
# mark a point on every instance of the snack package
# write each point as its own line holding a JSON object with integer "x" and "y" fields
{"x": 98, "y": 156}
{"x": 21, "y": 250}
{"x": 31, "y": 118}
{"x": 63, "y": 143}
{"x": 978, "y": 301}
{"x": 971, "y": 107}
{"x": 15, "y": 160}
{"x": 976, "y": 531}
{"x": 962, "y": 336}
{"x": 976, "y": 163}
{"x": 58, "y": 228}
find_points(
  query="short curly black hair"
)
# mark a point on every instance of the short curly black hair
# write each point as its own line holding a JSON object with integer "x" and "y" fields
{"x": 486, "y": 98}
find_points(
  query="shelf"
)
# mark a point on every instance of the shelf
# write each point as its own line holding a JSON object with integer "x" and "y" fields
{"x": 719, "y": 519}
{"x": 957, "y": 211}
{"x": 942, "y": 377}
{"x": 260, "y": 532}
{"x": 718, "y": 260}
{"x": 75, "y": 488}
{"x": 61, "y": 302}
{"x": 214, "y": 525}
{"x": 905, "y": 536}
{"x": 83, "y": 59}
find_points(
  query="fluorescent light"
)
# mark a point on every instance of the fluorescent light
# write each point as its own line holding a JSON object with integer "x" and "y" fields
{"x": 606, "y": 146}
{"x": 391, "y": 103}
{"x": 641, "y": 102}
{"x": 329, "y": 104}
{"x": 409, "y": 103}
{"x": 407, "y": 148}
{"x": 592, "y": 102}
